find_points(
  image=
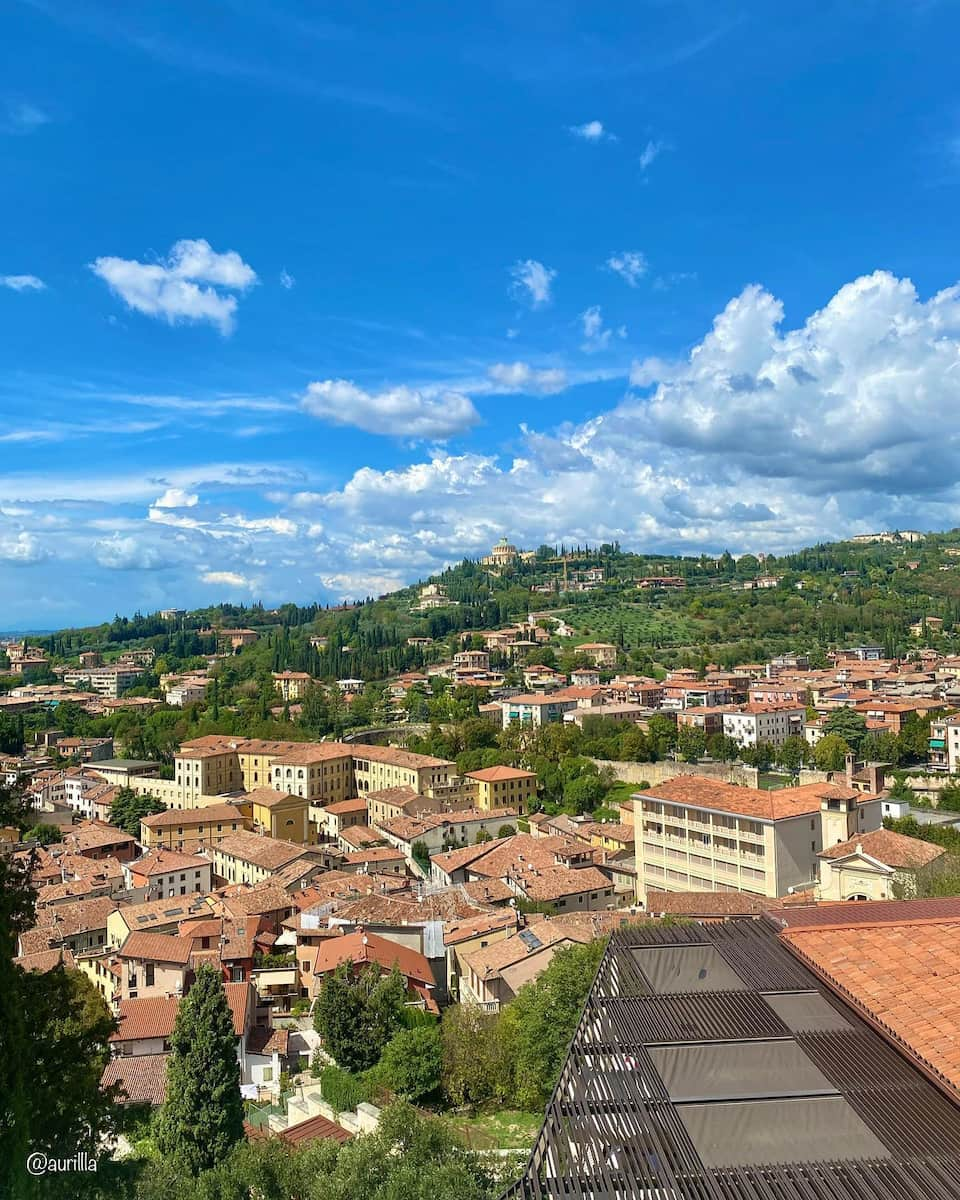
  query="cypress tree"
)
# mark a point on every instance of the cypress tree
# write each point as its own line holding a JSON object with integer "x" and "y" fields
{"x": 202, "y": 1117}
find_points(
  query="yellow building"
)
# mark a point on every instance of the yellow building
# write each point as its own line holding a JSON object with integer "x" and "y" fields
{"x": 292, "y": 685}
{"x": 190, "y": 830}
{"x": 879, "y": 865}
{"x": 504, "y": 787}
{"x": 279, "y": 814}
{"x": 379, "y": 767}
{"x": 251, "y": 857}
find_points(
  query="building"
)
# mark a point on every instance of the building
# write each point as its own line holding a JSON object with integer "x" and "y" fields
{"x": 874, "y": 866}
{"x": 190, "y": 830}
{"x": 110, "y": 682}
{"x": 279, "y": 814}
{"x": 342, "y": 815}
{"x": 250, "y": 857}
{"x": 601, "y": 654}
{"x": 695, "y": 834}
{"x": 503, "y": 554}
{"x": 437, "y": 831}
{"x": 535, "y": 710}
{"x": 164, "y": 873}
{"x": 755, "y": 723}
{"x": 926, "y": 625}
{"x": 504, "y": 787}
{"x": 236, "y": 639}
{"x": 362, "y": 949}
{"x": 720, "y": 1060}
{"x": 292, "y": 685}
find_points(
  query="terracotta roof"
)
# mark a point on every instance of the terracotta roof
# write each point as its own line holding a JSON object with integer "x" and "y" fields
{"x": 210, "y": 815}
{"x": 409, "y": 909}
{"x": 455, "y": 860}
{"x": 490, "y": 960}
{"x": 265, "y": 852}
{"x": 892, "y": 849}
{"x": 374, "y": 854}
{"x": 313, "y": 1128}
{"x": 269, "y": 797}
{"x": 143, "y": 1078}
{"x": 163, "y": 912}
{"x": 358, "y": 804}
{"x": 709, "y": 904}
{"x": 238, "y": 997}
{"x": 496, "y": 774}
{"x": 696, "y": 791}
{"x": 362, "y": 835}
{"x": 903, "y": 974}
{"x": 361, "y": 947}
{"x": 489, "y": 891}
{"x": 312, "y": 752}
{"x": 156, "y": 946}
{"x": 396, "y": 757}
{"x": 462, "y": 931}
{"x": 146, "y": 1017}
{"x": 91, "y": 835}
{"x": 268, "y": 1041}
{"x": 162, "y": 861}
{"x": 46, "y": 960}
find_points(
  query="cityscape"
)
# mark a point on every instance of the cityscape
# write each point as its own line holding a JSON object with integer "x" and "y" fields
{"x": 479, "y": 602}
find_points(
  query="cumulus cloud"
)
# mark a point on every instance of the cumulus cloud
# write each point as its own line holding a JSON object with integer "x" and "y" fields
{"x": 651, "y": 152}
{"x": 176, "y": 498}
{"x": 119, "y": 553}
{"x": 521, "y": 377}
{"x": 22, "y": 283}
{"x": 532, "y": 282}
{"x": 21, "y": 549}
{"x": 395, "y": 412}
{"x": 194, "y": 283}
{"x": 595, "y": 335}
{"x": 592, "y": 131}
{"x": 630, "y": 265}
{"x": 226, "y": 579}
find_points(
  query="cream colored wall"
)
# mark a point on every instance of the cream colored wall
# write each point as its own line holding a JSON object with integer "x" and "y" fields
{"x": 797, "y": 843}
{"x": 167, "y": 979}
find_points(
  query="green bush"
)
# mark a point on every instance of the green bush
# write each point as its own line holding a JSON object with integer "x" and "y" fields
{"x": 341, "y": 1090}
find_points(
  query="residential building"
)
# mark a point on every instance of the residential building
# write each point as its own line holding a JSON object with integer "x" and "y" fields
{"x": 362, "y": 949}
{"x": 875, "y": 866}
{"x": 755, "y": 723}
{"x": 95, "y": 839}
{"x": 236, "y": 639}
{"x": 698, "y": 834}
{"x": 279, "y": 814}
{"x": 437, "y": 831}
{"x": 503, "y": 787}
{"x": 166, "y": 873}
{"x": 472, "y": 660}
{"x": 601, "y": 654}
{"x": 534, "y": 710}
{"x": 292, "y": 685}
{"x": 110, "y": 681}
{"x": 190, "y": 830}
{"x": 250, "y": 857}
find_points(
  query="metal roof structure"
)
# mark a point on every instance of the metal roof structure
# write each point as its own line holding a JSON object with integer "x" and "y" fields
{"x": 710, "y": 1064}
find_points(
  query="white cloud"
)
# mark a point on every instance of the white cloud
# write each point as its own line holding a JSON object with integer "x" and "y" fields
{"x": 592, "y": 131}
{"x": 227, "y": 579}
{"x": 176, "y": 498}
{"x": 281, "y": 526}
{"x": 22, "y": 283}
{"x": 21, "y": 117}
{"x": 287, "y": 280}
{"x": 118, "y": 553}
{"x": 521, "y": 377}
{"x": 173, "y": 289}
{"x": 630, "y": 265}
{"x": 395, "y": 412}
{"x": 21, "y": 549}
{"x": 651, "y": 152}
{"x": 532, "y": 282}
{"x": 595, "y": 336}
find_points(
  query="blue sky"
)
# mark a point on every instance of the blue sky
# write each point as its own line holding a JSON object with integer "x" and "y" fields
{"x": 304, "y": 301}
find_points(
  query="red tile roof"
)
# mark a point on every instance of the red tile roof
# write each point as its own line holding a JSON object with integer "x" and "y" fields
{"x": 496, "y": 774}
{"x": 313, "y": 1128}
{"x": 157, "y": 947}
{"x": 696, "y": 791}
{"x": 361, "y": 947}
{"x": 143, "y": 1078}
{"x": 892, "y": 849}
{"x": 146, "y": 1017}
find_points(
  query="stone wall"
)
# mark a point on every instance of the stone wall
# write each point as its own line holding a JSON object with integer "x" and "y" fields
{"x": 660, "y": 772}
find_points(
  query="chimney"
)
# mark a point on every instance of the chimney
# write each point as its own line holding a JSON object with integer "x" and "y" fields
{"x": 850, "y": 764}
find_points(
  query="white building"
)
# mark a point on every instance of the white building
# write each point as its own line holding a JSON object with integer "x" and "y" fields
{"x": 757, "y": 723}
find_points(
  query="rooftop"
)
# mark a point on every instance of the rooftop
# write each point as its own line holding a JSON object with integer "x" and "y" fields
{"x": 890, "y": 848}
{"x": 264, "y": 852}
{"x": 177, "y": 817}
{"x": 696, "y": 791}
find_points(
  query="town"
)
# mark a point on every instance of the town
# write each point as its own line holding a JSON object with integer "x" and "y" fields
{"x": 492, "y": 816}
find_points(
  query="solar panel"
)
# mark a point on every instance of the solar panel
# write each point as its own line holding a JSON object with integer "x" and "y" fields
{"x": 725, "y": 1071}
{"x": 142, "y": 920}
{"x": 806, "y": 1012}
{"x": 694, "y": 968}
{"x": 755, "y": 1132}
{"x": 530, "y": 939}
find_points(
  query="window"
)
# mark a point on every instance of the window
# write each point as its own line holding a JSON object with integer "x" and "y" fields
{"x": 148, "y": 974}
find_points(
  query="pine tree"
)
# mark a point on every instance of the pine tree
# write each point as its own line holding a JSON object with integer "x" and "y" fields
{"x": 202, "y": 1117}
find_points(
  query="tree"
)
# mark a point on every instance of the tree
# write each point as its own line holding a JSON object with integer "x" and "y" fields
{"x": 506, "y": 831}
{"x": 412, "y": 1062}
{"x": 536, "y": 1028}
{"x": 129, "y": 808}
{"x": 474, "y": 1070}
{"x": 202, "y": 1117}
{"x": 584, "y": 794}
{"x": 848, "y": 724}
{"x": 356, "y": 1015}
{"x": 691, "y": 743}
{"x": 830, "y": 753}
{"x": 46, "y": 835}
{"x": 792, "y": 752}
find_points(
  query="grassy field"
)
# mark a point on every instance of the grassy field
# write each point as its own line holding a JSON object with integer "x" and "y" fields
{"x": 642, "y": 625}
{"x": 619, "y": 791}
{"x": 501, "y": 1129}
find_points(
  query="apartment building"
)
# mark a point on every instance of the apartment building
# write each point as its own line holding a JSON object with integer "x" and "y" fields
{"x": 535, "y": 710}
{"x": 190, "y": 830}
{"x": 769, "y": 723}
{"x": 164, "y": 873}
{"x": 250, "y": 857}
{"x": 110, "y": 682}
{"x": 292, "y": 685}
{"x": 601, "y": 654}
{"x": 503, "y": 787}
{"x": 379, "y": 767}
{"x": 695, "y": 834}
